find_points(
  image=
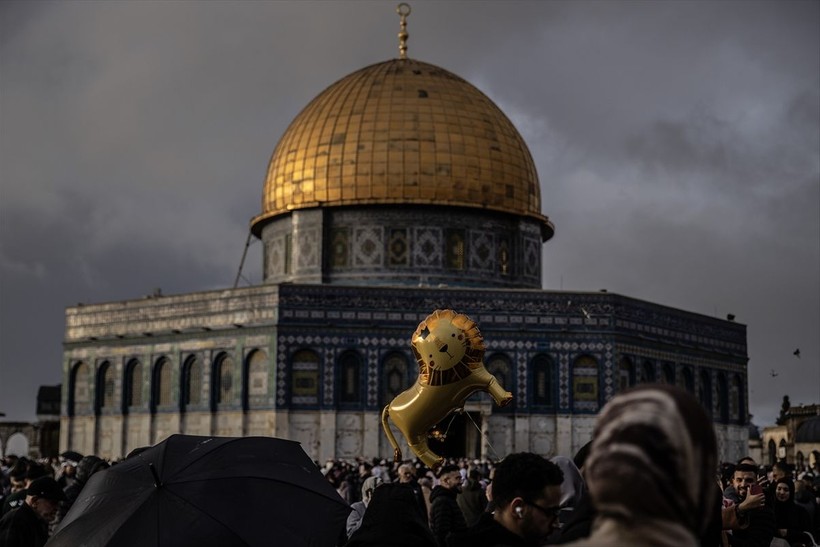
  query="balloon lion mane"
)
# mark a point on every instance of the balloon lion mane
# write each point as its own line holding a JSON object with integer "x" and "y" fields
{"x": 449, "y": 349}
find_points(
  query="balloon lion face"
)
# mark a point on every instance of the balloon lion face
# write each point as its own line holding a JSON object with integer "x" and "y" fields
{"x": 449, "y": 349}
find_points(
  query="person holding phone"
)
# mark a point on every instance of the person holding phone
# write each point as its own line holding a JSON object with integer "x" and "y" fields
{"x": 757, "y": 523}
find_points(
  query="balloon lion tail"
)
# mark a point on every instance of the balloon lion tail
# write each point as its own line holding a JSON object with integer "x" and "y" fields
{"x": 389, "y": 433}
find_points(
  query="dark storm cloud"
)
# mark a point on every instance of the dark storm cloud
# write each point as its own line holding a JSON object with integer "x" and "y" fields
{"x": 676, "y": 142}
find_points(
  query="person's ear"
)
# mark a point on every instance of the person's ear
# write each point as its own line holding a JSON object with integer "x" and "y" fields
{"x": 517, "y": 505}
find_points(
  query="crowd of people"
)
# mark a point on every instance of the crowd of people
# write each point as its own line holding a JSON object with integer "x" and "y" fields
{"x": 649, "y": 477}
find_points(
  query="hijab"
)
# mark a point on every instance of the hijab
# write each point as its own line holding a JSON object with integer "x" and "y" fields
{"x": 652, "y": 464}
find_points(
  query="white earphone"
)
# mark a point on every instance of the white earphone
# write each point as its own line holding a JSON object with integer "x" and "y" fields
{"x": 518, "y": 511}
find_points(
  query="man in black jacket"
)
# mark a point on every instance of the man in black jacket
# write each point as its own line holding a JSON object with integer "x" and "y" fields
{"x": 28, "y": 524}
{"x": 445, "y": 515}
{"x": 757, "y": 525}
{"x": 526, "y": 490}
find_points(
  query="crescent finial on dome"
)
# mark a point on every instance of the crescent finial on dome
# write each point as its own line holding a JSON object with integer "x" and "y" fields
{"x": 403, "y": 10}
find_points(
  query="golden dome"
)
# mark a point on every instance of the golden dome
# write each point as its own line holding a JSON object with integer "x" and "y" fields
{"x": 402, "y": 132}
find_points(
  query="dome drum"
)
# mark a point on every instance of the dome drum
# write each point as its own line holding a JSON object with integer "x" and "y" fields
{"x": 403, "y": 245}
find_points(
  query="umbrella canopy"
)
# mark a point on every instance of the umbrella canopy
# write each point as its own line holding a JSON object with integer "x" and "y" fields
{"x": 207, "y": 491}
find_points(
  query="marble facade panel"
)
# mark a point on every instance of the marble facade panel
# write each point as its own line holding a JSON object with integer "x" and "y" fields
{"x": 542, "y": 435}
{"x": 304, "y": 427}
{"x": 349, "y": 435}
{"x": 163, "y": 426}
{"x": 137, "y": 432}
{"x": 109, "y": 436}
{"x": 196, "y": 423}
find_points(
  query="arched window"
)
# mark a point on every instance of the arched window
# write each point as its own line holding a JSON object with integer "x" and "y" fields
{"x": 455, "y": 249}
{"x": 17, "y": 444}
{"x": 304, "y": 386}
{"x": 224, "y": 382}
{"x": 648, "y": 372}
{"x": 394, "y": 376}
{"x": 340, "y": 247}
{"x": 668, "y": 374}
{"x": 132, "y": 388}
{"x": 722, "y": 398}
{"x": 705, "y": 391}
{"x": 736, "y": 400}
{"x": 350, "y": 369}
{"x": 257, "y": 375}
{"x": 503, "y": 257}
{"x": 772, "y": 450}
{"x": 80, "y": 402}
{"x": 626, "y": 374}
{"x": 585, "y": 383}
{"x": 687, "y": 380}
{"x": 543, "y": 381}
{"x": 800, "y": 460}
{"x": 161, "y": 391}
{"x": 105, "y": 387}
{"x": 191, "y": 382}
{"x": 499, "y": 366}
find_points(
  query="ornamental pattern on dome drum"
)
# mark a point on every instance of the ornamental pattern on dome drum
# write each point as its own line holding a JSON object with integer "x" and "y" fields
{"x": 401, "y": 131}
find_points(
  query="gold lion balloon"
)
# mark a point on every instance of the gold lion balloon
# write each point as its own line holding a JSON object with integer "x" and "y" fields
{"x": 450, "y": 351}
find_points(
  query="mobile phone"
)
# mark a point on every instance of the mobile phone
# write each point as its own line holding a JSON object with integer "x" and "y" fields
{"x": 755, "y": 489}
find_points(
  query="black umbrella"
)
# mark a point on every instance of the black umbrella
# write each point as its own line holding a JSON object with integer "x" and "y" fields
{"x": 207, "y": 491}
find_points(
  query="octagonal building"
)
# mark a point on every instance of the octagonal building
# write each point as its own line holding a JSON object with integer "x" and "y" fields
{"x": 398, "y": 190}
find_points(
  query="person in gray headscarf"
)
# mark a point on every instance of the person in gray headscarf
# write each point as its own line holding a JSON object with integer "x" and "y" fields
{"x": 573, "y": 489}
{"x": 651, "y": 471}
{"x": 354, "y": 519}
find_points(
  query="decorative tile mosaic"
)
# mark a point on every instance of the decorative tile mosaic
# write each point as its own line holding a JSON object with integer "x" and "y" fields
{"x": 563, "y": 381}
{"x": 532, "y": 257}
{"x": 281, "y": 376}
{"x": 276, "y": 256}
{"x": 368, "y": 246}
{"x": 521, "y": 358}
{"x": 481, "y": 251}
{"x": 427, "y": 247}
{"x": 372, "y": 377}
{"x": 307, "y": 249}
{"x": 329, "y": 369}
{"x": 398, "y": 252}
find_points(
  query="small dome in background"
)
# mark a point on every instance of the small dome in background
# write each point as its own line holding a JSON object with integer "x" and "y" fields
{"x": 809, "y": 431}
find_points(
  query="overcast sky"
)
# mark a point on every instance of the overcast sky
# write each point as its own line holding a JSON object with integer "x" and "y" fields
{"x": 677, "y": 144}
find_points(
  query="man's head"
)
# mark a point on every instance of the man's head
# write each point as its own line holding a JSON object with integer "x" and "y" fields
{"x": 527, "y": 493}
{"x": 781, "y": 470}
{"x": 17, "y": 478}
{"x": 744, "y": 476}
{"x": 44, "y": 495}
{"x": 35, "y": 471}
{"x": 407, "y": 473}
{"x": 450, "y": 478}
{"x": 68, "y": 468}
{"x": 369, "y": 485}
